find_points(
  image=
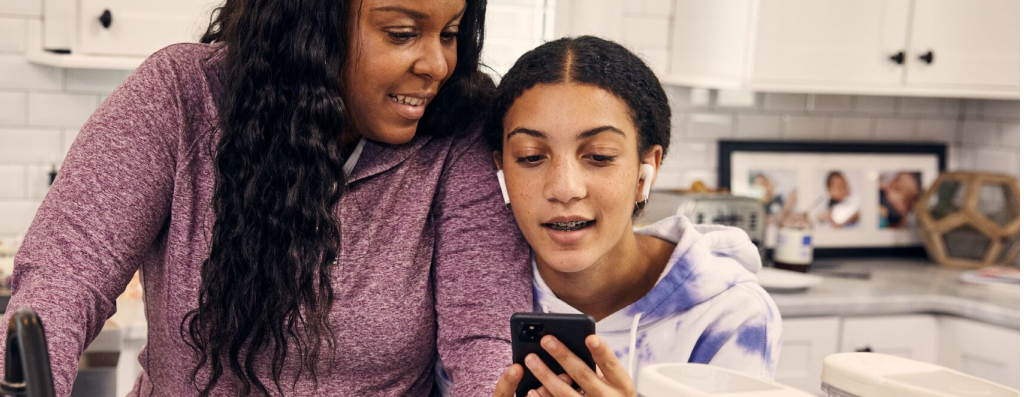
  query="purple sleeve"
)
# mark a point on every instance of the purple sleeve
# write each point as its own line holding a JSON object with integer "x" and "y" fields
{"x": 101, "y": 216}
{"x": 481, "y": 272}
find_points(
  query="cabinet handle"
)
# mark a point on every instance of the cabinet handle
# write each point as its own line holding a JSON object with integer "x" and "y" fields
{"x": 897, "y": 58}
{"x": 928, "y": 57}
{"x": 865, "y": 349}
{"x": 106, "y": 19}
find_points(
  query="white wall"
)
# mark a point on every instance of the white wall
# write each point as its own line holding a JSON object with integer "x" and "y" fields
{"x": 42, "y": 108}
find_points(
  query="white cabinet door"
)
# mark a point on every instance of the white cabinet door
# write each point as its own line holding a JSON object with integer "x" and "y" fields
{"x": 972, "y": 43}
{"x": 805, "y": 343}
{"x": 915, "y": 337}
{"x": 139, "y": 27}
{"x": 830, "y": 41}
{"x": 982, "y": 350}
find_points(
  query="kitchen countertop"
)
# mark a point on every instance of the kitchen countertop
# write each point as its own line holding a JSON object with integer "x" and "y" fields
{"x": 899, "y": 286}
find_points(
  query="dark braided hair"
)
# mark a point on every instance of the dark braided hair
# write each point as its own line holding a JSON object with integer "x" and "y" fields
{"x": 265, "y": 289}
{"x": 588, "y": 60}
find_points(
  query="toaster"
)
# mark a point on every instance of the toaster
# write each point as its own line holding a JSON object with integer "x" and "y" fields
{"x": 708, "y": 208}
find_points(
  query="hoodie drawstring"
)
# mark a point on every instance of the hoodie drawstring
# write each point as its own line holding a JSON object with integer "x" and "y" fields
{"x": 632, "y": 344}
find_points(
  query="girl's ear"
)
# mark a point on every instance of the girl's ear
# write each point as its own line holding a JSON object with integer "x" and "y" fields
{"x": 497, "y": 158}
{"x": 652, "y": 161}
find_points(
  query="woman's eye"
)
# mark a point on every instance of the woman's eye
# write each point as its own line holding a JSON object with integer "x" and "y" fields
{"x": 529, "y": 159}
{"x": 450, "y": 35}
{"x": 401, "y": 37}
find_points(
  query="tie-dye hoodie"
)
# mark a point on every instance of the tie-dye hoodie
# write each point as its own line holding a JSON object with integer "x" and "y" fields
{"x": 706, "y": 308}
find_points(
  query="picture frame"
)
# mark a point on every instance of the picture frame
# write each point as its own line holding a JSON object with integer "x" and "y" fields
{"x": 859, "y": 196}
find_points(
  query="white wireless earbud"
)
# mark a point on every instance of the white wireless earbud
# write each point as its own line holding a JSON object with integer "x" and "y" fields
{"x": 647, "y": 174}
{"x": 504, "y": 190}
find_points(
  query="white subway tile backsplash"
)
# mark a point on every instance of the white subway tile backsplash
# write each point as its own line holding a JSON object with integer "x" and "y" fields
{"x": 29, "y": 145}
{"x": 895, "y": 129}
{"x": 29, "y": 8}
{"x": 517, "y": 22}
{"x": 657, "y": 60}
{"x": 67, "y": 138}
{"x": 928, "y": 106}
{"x": 937, "y": 130}
{"x": 758, "y": 126}
{"x": 12, "y": 181}
{"x": 12, "y": 34}
{"x": 802, "y": 127}
{"x": 643, "y": 33}
{"x": 736, "y": 99}
{"x": 17, "y": 215}
{"x": 12, "y": 108}
{"x": 994, "y": 160}
{"x": 874, "y": 104}
{"x": 984, "y": 133}
{"x": 19, "y": 74}
{"x": 702, "y": 125}
{"x": 774, "y": 101}
{"x": 37, "y": 178}
{"x": 72, "y": 110}
{"x": 686, "y": 155}
{"x": 850, "y": 128}
{"x": 684, "y": 99}
{"x": 994, "y": 108}
{"x": 830, "y": 103}
{"x": 97, "y": 81}
{"x": 1011, "y": 136}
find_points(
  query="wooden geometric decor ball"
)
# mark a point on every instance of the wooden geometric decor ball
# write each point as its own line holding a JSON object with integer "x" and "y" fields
{"x": 970, "y": 219}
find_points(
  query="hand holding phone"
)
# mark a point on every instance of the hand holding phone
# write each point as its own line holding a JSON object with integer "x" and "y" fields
{"x": 595, "y": 371}
{"x": 528, "y": 329}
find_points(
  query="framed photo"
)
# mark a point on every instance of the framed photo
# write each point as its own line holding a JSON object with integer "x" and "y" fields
{"x": 859, "y": 196}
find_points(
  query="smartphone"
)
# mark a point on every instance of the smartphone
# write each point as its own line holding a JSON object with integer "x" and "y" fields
{"x": 527, "y": 330}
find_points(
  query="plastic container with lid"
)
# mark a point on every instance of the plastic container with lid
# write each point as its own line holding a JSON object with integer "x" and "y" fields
{"x": 882, "y": 375}
{"x": 700, "y": 380}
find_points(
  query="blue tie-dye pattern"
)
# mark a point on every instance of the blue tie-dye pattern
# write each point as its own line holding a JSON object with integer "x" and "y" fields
{"x": 708, "y": 344}
{"x": 751, "y": 337}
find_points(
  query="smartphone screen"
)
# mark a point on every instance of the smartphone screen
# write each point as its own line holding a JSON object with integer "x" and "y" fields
{"x": 527, "y": 330}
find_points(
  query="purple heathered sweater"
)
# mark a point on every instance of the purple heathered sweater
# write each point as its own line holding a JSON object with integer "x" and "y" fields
{"x": 431, "y": 261}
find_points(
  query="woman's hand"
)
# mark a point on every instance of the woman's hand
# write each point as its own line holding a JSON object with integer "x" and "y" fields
{"x": 609, "y": 380}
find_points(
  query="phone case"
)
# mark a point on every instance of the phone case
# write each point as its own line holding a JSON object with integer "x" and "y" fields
{"x": 570, "y": 329}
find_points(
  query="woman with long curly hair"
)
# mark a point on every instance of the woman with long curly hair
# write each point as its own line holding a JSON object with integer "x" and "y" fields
{"x": 310, "y": 202}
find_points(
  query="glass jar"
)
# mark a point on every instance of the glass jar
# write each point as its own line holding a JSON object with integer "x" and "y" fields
{"x": 793, "y": 246}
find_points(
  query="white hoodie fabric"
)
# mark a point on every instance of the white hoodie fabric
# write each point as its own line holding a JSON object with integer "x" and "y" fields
{"x": 706, "y": 308}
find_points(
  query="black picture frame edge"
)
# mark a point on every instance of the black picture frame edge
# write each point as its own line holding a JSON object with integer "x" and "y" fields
{"x": 727, "y": 147}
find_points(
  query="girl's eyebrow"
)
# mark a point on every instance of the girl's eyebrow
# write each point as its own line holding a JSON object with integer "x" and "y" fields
{"x": 581, "y": 136}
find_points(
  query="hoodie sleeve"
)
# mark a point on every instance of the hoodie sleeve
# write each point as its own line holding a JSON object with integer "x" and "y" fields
{"x": 747, "y": 338}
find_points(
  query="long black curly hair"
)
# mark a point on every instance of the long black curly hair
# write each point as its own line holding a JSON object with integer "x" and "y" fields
{"x": 265, "y": 289}
{"x": 594, "y": 61}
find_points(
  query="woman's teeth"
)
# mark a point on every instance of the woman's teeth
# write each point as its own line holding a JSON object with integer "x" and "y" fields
{"x": 568, "y": 226}
{"x": 407, "y": 100}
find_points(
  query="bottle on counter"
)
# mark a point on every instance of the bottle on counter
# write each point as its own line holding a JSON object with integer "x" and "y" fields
{"x": 794, "y": 249}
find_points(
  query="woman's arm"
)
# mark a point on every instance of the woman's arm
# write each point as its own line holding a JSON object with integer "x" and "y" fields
{"x": 481, "y": 271}
{"x": 102, "y": 214}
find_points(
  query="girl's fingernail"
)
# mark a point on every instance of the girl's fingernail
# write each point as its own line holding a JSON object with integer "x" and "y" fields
{"x": 533, "y": 394}
{"x": 594, "y": 342}
{"x": 549, "y": 344}
{"x": 531, "y": 361}
{"x": 513, "y": 372}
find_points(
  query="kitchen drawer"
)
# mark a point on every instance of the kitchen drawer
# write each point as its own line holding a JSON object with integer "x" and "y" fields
{"x": 139, "y": 27}
{"x": 915, "y": 336}
{"x": 805, "y": 343}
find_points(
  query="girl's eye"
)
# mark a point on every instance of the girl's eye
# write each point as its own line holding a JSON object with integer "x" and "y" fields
{"x": 600, "y": 158}
{"x": 528, "y": 160}
{"x": 401, "y": 37}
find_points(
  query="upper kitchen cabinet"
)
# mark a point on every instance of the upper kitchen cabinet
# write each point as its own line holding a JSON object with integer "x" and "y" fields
{"x": 114, "y": 34}
{"x": 827, "y": 41}
{"x": 965, "y": 43}
{"x": 945, "y": 48}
